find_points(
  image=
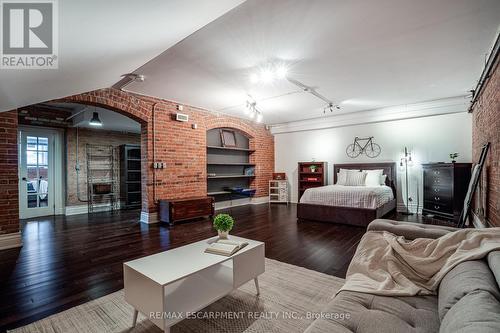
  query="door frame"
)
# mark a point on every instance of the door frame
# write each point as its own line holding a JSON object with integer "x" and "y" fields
{"x": 58, "y": 163}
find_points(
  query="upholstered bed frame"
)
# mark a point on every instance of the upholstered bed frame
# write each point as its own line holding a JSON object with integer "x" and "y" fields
{"x": 352, "y": 215}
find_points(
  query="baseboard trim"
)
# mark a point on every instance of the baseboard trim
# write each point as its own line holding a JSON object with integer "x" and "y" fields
{"x": 149, "y": 218}
{"x": 10, "y": 241}
{"x": 241, "y": 202}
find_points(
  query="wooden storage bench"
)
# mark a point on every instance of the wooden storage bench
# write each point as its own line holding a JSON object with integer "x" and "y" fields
{"x": 174, "y": 210}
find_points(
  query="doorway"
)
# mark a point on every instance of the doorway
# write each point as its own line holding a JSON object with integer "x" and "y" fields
{"x": 40, "y": 166}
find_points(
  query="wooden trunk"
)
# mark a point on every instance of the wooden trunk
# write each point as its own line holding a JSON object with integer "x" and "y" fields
{"x": 175, "y": 210}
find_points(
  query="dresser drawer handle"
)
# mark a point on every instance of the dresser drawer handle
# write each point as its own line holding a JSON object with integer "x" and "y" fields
{"x": 437, "y": 172}
{"x": 436, "y": 207}
{"x": 437, "y": 198}
{"x": 436, "y": 190}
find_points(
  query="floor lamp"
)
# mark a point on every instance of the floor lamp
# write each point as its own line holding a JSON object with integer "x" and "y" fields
{"x": 405, "y": 161}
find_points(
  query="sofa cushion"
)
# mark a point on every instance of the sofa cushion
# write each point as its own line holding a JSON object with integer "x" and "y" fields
{"x": 463, "y": 279}
{"x": 475, "y": 312}
{"x": 352, "y": 311}
{"x": 494, "y": 263}
{"x": 409, "y": 230}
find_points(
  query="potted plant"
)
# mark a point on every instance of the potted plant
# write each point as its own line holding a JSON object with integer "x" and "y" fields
{"x": 223, "y": 223}
{"x": 313, "y": 168}
{"x": 453, "y": 156}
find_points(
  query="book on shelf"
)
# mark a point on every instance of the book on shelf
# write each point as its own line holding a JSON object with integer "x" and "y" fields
{"x": 225, "y": 247}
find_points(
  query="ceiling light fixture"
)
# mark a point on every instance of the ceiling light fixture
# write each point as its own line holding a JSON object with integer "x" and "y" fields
{"x": 252, "y": 111}
{"x": 127, "y": 79}
{"x": 267, "y": 75}
{"x": 280, "y": 71}
{"x": 259, "y": 117}
{"x": 331, "y": 107}
{"x": 95, "y": 121}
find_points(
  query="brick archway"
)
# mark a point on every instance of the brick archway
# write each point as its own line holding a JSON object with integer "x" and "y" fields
{"x": 115, "y": 100}
{"x": 136, "y": 109}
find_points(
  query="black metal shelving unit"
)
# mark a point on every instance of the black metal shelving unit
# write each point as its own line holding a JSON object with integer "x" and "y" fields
{"x": 130, "y": 178}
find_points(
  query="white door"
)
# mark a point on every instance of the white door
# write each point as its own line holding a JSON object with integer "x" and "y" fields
{"x": 36, "y": 173}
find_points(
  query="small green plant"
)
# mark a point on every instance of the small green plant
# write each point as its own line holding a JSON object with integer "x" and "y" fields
{"x": 223, "y": 222}
{"x": 453, "y": 156}
{"x": 313, "y": 168}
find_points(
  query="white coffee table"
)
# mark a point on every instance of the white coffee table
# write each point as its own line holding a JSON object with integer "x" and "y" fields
{"x": 185, "y": 279}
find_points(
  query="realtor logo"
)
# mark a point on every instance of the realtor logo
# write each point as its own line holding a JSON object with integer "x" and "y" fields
{"x": 29, "y": 34}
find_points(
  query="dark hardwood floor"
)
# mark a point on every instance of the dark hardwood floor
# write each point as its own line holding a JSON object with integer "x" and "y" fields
{"x": 67, "y": 261}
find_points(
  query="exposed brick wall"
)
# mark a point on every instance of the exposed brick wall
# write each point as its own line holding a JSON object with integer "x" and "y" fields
{"x": 486, "y": 128}
{"x": 9, "y": 204}
{"x": 182, "y": 148}
{"x": 95, "y": 137}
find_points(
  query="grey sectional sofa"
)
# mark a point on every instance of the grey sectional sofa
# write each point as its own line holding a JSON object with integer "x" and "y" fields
{"x": 468, "y": 298}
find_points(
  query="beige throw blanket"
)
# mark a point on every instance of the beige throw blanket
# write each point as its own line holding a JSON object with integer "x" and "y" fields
{"x": 390, "y": 265}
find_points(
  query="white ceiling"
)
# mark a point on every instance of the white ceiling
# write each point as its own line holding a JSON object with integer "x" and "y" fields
{"x": 360, "y": 54}
{"x": 101, "y": 40}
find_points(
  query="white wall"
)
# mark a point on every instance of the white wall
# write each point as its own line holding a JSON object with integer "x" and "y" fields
{"x": 430, "y": 139}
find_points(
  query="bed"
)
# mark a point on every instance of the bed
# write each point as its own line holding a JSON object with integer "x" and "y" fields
{"x": 353, "y": 205}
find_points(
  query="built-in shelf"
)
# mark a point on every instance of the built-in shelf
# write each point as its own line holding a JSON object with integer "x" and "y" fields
{"x": 229, "y": 176}
{"x": 244, "y": 164}
{"x": 231, "y": 148}
{"x": 218, "y": 193}
{"x": 228, "y": 168}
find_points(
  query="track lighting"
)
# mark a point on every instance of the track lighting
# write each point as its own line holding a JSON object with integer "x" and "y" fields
{"x": 330, "y": 107}
{"x": 280, "y": 71}
{"x": 252, "y": 110}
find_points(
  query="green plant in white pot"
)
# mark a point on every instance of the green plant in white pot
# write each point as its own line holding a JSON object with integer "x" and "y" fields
{"x": 223, "y": 223}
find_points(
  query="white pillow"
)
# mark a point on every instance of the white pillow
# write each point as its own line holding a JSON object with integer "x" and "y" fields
{"x": 342, "y": 176}
{"x": 373, "y": 177}
{"x": 356, "y": 178}
{"x": 382, "y": 179}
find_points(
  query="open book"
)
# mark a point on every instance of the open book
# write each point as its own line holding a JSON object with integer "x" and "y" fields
{"x": 225, "y": 247}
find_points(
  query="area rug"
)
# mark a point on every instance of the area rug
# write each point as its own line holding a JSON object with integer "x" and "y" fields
{"x": 290, "y": 297}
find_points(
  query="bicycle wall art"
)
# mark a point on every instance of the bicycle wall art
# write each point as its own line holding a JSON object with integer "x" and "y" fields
{"x": 363, "y": 145}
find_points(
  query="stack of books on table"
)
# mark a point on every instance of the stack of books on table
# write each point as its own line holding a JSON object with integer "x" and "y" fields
{"x": 225, "y": 247}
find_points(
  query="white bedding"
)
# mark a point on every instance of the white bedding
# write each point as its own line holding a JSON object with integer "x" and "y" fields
{"x": 348, "y": 196}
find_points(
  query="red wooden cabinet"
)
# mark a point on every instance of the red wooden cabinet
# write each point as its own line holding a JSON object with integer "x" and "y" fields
{"x": 310, "y": 176}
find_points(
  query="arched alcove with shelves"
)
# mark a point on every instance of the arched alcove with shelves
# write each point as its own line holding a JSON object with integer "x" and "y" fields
{"x": 230, "y": 170}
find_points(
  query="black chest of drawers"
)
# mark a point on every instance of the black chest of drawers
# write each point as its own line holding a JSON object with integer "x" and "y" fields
{"x": 445, "y": 186}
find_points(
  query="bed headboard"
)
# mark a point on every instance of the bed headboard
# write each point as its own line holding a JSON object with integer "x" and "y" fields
{"x": 389, "y": 170}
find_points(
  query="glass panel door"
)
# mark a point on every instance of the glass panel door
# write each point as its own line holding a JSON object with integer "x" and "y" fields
{"x": 36, "y": 174}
